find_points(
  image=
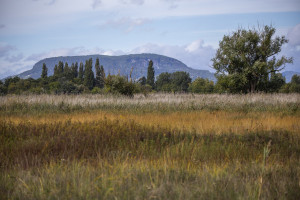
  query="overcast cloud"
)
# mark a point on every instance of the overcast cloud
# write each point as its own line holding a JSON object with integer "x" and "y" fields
{"x": 188, "y": 30}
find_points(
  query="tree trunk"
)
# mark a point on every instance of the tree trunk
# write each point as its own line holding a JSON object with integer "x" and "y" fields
{"x": 252, "y": 87}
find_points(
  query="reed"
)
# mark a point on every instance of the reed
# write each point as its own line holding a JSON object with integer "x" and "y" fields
{"x": 160, "y": 147}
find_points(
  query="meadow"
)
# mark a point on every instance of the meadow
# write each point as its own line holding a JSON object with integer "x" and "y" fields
{"x": 159, "y": 146}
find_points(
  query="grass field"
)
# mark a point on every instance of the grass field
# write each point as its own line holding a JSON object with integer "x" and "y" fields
{"x": 162, "y": 146}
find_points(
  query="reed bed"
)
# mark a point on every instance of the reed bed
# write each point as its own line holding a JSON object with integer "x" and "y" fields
{"x": 163, "y": 146}
{"x": 153, "y": 102}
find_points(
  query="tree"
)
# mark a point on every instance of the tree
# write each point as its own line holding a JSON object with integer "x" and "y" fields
{"x": 56, "y": 71}
{"x": 74, "y": 69}
{"x": 102, "y": 77}
{"x": 162, "y": 80}
{"x": 150, "y": 74}
{"x": 276, "y": 82}
{"x": 119, "y": 85}
{"x": 173, "y": 82}
{"x": 201, "y": 85}
{"x": 3, "y": 89}
{"x": 44, "y": 71}
{"x": 293, "y": 86}
{"x": 181, "y": 81}
{"x": 142, "y": 80}
{"x": 60, "y": 68}
{"x": 68, "y": 72}
{"x": 89, "y": 74}
{"x": 246, "y": 58}
{"x": 100, "y": 74}
{"x": 81, "y": 72}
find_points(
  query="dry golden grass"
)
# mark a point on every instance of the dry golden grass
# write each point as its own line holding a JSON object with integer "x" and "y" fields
{"x": 201, "y": 122}
{"x": 160, "y": 147}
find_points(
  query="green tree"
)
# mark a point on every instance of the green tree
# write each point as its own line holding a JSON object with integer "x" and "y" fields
{"x": 44, "y": 71}
{"x": 89, "y": 75}
{"x": 119, "y": 85}
{"x": 142, "y": 80}
{"x": 68, "y": 72}
{"x": 74, "y": 69}
{"x": 181, "y": 81}
{"x": 275, "y": 83}
{"x": 246, "y": 58}
{"x": 3, "y": 89}
{"x": 201, "y": 85}
{"x": 162, "y": 80}
{"x": 60, "y": 69}
{"x": 55, "y": 71}
{"x": 100, "y": 74}
{"x": 102, "y": 77}
{"x": 173, "y": 82}
{"x": 81, "y": 72}
{"x": 293, "y": 86}
{"x": 150, "y": 75}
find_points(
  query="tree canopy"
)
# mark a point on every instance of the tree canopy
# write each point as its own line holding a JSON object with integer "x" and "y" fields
{"x": 173, "y": 82}
{"x": 246, "y": 58}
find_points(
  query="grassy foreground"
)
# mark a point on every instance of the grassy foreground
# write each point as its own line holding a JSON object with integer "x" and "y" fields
{"x": 156, "y": 147}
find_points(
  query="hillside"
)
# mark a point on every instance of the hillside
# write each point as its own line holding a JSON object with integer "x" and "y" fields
{"x": 122, "y": 65}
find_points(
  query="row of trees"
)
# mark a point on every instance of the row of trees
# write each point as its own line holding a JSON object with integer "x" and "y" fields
{"x": 245, "y": 62}
{"x": 75, "y": 80}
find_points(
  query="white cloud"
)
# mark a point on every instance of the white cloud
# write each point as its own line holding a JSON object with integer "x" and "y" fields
{"x": 294, "y": 35}
{"x": 194, "y": 46}
{"x": 195, "y": 54}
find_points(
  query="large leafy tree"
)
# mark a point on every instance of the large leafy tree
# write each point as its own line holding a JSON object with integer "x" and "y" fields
{"x": 246, "y": 58}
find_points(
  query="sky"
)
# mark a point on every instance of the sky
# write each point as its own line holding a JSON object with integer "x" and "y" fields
{"x": 188, "y": 30}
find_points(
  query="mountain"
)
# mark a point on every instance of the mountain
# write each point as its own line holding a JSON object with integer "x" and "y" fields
{"x": 288, "y": 75}
{"x": 122, "y": 64}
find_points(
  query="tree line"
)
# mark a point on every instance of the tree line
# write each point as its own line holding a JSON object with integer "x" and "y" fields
{"x": 76, "y": 79}
{"x": 245, "y": 62}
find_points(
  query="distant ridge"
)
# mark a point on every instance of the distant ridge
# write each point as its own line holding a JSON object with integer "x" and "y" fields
{"x": 122, "y": 64}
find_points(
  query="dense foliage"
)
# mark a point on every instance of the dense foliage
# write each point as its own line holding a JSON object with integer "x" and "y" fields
{"x": 173, "y": 82}
{"x": 246, "y": 61}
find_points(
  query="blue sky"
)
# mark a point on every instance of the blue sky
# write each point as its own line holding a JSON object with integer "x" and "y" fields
{"x": 188, "y": 30}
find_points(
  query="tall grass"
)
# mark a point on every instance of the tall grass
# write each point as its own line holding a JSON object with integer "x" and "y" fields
{"x": 37, "y": 104}
{"x": 157, "y": 147}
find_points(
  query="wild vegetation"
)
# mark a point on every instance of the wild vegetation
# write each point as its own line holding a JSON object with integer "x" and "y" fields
{"x": 122, "y": 139}
{"x": 162, "y": 146}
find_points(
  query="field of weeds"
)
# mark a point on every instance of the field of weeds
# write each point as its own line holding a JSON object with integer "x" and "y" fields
{"x": 162, "y": 146}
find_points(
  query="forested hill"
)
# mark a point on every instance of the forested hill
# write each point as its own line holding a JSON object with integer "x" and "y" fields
{"x": 122, "y": 65}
